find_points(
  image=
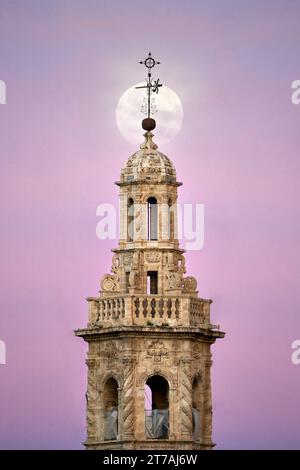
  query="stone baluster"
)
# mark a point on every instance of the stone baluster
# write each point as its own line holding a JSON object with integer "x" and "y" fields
{"x": 173, "y": 308}
{"x": 149, "y": 308}
{"x": 165, "y": 314}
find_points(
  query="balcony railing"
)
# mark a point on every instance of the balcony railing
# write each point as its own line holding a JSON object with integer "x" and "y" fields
{"x": 149, "y": 310}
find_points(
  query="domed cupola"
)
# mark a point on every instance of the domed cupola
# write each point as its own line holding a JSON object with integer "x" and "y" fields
{"x": 148, "y": 164}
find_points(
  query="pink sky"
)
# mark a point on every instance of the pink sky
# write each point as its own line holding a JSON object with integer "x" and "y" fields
{"x": 65, "y": 64}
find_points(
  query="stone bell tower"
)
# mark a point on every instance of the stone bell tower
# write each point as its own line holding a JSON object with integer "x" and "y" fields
{"x": 149, "y": 333}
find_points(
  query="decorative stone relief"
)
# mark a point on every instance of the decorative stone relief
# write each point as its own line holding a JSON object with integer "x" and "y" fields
{"x": 197, "y": 351}
{"x": 152, "y": 257}
{"x": 135, "y": 260}
{"x": 110, "y": 352}
{"x": 173, "y": 280}
{"x": 189, "y": 284}
{"x": 157, "y": 350}
{"x": 134, "y": 280}
{"x": 181, "y": 264}
{"x": 127, "y": 258}
{"x": 110, "y": 283}
{"x": 115, "y": 264}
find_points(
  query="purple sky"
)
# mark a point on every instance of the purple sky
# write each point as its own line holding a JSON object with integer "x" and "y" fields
{"x": 65, "y": 64}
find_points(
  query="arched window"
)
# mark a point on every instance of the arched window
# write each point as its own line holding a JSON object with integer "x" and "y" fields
{"x": 110, "y": 398}
{"x": 130, "y": 219}
{"x": 196, "y": 409}
{"x": 152, "y": 218}
{"x": 157, "y": 408}
{"x": 170, "y": 220}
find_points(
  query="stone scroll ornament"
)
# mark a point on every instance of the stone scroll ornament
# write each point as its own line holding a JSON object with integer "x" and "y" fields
{"x": 110, "y": 283}
{"x": 128, "y": 399}
{"x": 186, "y": 405}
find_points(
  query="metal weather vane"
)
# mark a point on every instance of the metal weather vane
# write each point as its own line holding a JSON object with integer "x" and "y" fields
{"x": 152, "y": 85}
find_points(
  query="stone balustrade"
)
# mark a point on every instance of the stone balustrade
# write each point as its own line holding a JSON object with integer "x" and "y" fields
{"x": 149, "y": 310}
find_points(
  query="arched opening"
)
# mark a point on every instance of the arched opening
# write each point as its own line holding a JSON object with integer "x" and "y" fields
{"x": 196, "y": 409}
{"x": 130, "y": 219}
{"x": 170, "y": 220}
{"x": 152, "y": 218}
{"x": 110, "y": 399}
{"x": 157, "y": 408}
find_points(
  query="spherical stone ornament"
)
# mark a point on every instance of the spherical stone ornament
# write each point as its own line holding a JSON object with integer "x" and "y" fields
{"x": 148, "y": 124}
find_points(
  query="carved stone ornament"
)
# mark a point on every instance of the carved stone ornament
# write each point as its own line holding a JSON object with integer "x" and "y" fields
{"x": 134, "y": 279}
{"x": 173, "y": 280}
{"x": 197, "y": 351}
{"x": 157, "y": 350}
{"x": 189, "y": 284}
{"x": 115, "y": 264}
{"x": 110, "y": 352}
{"x": 110, "y": 283}
{"x": 152, "y": 257}
{"x": 135, "y": 259}
{"x": 181, "y": 264}
{"x": 127, "y": 259}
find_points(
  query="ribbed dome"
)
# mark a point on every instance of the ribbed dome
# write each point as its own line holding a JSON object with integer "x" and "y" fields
{"x": 148, "y": 164}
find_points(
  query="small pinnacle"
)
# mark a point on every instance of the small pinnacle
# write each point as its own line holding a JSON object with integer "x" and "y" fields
{"x": 148, "y": 144}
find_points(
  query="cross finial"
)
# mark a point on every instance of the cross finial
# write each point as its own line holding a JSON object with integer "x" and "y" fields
{"x": 152, "y": 86}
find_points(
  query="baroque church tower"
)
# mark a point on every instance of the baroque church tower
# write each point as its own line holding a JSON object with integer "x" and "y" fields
{"x": 149, "y": 333}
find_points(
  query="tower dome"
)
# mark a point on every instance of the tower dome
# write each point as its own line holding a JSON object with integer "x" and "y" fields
{"x": 148, "y": 164}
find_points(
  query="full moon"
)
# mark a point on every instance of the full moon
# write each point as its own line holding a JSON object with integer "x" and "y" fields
{"x": 168, "y": 117}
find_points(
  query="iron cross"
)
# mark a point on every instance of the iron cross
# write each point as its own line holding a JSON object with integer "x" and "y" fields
{"x": 151, "y": 85}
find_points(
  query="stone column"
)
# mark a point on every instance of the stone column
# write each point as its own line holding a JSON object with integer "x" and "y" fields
{"x": 186, "y": 400}
{"x": 206, "y": 431}
{"x": 92, "y": 401}
{"x": 123, "y": 216}
{"x": 177, "y": 211}
{"x": 128, "y": 399}
{"x": 164, "y": 213}
{"x": 144, "y": 221}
